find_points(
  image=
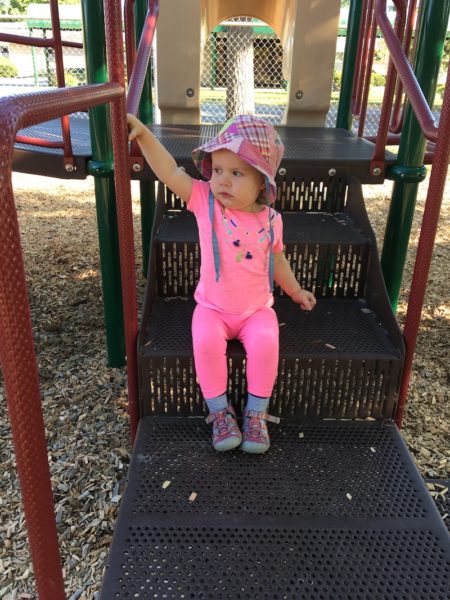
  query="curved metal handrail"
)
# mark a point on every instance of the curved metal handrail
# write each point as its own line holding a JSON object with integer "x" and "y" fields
{"x": 56, "y": 44}
{"x": 138, "y": 66}
{"x": 412, "y": 89}
{"x": 18, "y": 359}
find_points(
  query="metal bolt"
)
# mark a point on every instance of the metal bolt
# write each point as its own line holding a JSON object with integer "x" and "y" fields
{"x": 282, "y": 171}
{"x": 136, "y": 167}
{"x": 70, "y": 168}
{"x": 332, "y": 172}
{"x": 299, "y": 95}
{"x": 376, "y": 171}
{"x": 190, "y": 93}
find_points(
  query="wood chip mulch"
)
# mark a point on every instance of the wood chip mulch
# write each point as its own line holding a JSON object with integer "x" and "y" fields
{"x": 85, "y": 402}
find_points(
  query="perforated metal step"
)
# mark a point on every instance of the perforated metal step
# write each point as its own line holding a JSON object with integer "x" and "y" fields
{"x": 334, "y": 511}
{"x": 327, "y": 252}
{"x": 305, "y": 148}
{"x": 335, "y": 362}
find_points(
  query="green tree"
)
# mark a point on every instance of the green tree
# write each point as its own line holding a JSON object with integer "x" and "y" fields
{"x": 15, "y": 7}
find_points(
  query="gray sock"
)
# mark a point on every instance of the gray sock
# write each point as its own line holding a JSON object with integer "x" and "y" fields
{"x": 256, "y": 403}
{"x": 216, "y": 404}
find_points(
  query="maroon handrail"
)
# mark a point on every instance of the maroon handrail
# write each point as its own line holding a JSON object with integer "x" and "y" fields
{"x": 415, "y": 95}
{"x": 35, "y": 41}
{"x": 370, "y": 48}
{"x": 425, "y": 246}
{"x": 56, "y": 43}
{"x": 130, "y": 35}
{"x": 378, "y": 158}
{"x": 18, "y": 358}
{"x": 360, "y": 62}
{"x": 398, "y": 108}
{"x": 139, "y": 69}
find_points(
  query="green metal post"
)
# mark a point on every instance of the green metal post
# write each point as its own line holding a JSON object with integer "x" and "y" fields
{"x": 344, "y": 113}
{"x": 102, "y": 169}
{"x": 147, "y": 188}
{"x": 431, "y": 32}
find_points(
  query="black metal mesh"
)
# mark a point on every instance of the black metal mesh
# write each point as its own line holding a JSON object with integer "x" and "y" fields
{"x": 339, "y": 513}
{"x": 304, "y": 146}
{"x": 51, "y": 130}
{"x": 314, "y": 473}
{"x": 336, "y": 328}
{"x": 330, "y": 259}
{"x": 341, "y": 365}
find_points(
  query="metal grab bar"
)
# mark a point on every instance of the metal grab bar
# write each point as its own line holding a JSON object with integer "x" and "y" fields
{"x": 35, "y": 41}
{"x": 378, "y": 157}
{"x": 18, "y": 358}
{"x": 412, "y": 89}
{"x": 139, "y": 68}
{"x": 398, "y": 109}
{"x": 425, "y": 247}
{"x": 56, "y": 43}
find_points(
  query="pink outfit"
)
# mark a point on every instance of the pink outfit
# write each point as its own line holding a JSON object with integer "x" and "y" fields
{"x": 244, "y": 282}
{"x": 238, "y": 305}
{"x": 258, "y": 333}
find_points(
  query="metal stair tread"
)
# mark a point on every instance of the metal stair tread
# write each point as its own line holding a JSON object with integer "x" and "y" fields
{"x": 335, "y": 509}
{"x": 336, "y": 328}
{"x": 298, "y": 227}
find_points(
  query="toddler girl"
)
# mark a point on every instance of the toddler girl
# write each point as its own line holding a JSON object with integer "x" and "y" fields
{"x": 241, "y": 255}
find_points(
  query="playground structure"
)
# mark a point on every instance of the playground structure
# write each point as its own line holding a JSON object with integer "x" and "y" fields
{"x": 365, "y": 374}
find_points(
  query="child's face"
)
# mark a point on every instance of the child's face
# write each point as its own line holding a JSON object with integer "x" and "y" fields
{"x": 235, "y": 183}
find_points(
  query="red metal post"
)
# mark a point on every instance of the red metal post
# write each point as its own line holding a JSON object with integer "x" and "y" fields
{"x": 425, "y": 246}
{"x": 371, "y": 36}
{"x": 359, "y": 68}
{"x": 114, "y": 49}
{"x": 377, "y": 161}
{"x": 397, "y": 111}
{"x": 59, "y": 65}
{"x": 18, "y": 359}
{"x": 418, "y": 101}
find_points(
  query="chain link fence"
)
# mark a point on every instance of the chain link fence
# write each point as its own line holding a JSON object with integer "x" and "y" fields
{"x": 239, "y": 45}
{"x": 26, "y": 68}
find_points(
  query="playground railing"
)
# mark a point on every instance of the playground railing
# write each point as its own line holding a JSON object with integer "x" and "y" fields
{"x": 17, "y": 354}
{"x": 440, "y": 136}
{"x": 137, "y": 63}
{"x": 56, "y": 43}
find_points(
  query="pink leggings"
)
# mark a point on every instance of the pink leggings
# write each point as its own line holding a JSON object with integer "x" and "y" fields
{"x": 258, "y": 333}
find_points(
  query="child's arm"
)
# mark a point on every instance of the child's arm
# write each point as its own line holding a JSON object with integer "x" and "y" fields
{"x": 285, "y": 278}
{"x": 160, "y": 161}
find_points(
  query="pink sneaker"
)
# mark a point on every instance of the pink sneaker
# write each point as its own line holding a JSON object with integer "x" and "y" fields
{"x": 226, "y": 433}
{"x": 255, "y": 435}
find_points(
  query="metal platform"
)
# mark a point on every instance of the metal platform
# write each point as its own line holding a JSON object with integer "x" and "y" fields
{"x": 334, "y": 511}
{"x": 49, "y": 161}
{"x": 327, "y": 252}
{"x": 335, "y": 362}
{"x": 305, "y": 147}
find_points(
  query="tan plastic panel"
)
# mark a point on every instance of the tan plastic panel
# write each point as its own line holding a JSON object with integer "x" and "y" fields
{"x": 307, "y": 29}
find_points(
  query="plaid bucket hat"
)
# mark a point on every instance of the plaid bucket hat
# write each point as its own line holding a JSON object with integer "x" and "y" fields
{"x": 253, "y": 140}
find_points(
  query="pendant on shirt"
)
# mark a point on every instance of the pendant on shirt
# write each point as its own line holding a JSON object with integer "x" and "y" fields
{"x": 232, "y": 227}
